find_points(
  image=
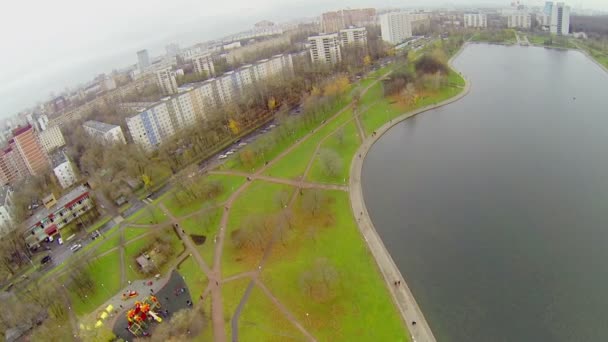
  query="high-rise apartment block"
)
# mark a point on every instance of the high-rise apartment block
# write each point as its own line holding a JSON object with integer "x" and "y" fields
{"x": 335, "y": 21}
{"x": 165, "y": 79}
{"x": 519, "y": 19}
{"x": 203, "y": 64}
{"x": 35, "y": 158}
{"x": 51, "y": 138}
{"x": 143, "y": 60}
{"x": 158, "y": 122}
{"x": 477, "y": 20}
{"x": 353, "y": 35}
{"x": 395, "y": 27}
{"x": 325, "y": 48}
{"x": 559, "y": 17}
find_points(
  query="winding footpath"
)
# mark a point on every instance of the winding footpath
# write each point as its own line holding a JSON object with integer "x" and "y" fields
{"x": 402, "y": 296}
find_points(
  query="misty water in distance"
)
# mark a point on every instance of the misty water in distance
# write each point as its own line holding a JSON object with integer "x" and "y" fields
{"x": 495, "y": 208}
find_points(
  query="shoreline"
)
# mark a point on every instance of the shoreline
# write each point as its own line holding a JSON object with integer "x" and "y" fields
{"x": 401, "y": 294}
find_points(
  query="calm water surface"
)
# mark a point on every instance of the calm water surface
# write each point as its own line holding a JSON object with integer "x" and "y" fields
{"x": 495, "y": 208}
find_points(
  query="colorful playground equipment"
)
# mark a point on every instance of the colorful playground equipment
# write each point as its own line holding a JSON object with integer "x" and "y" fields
{"x": 142, "y": 314}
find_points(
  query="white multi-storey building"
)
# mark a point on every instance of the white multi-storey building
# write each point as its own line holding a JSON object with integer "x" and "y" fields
{"x": 165, "y": 79}
{"x": 475, "y": 20}
{"x": 106, "y": 132}
{"x": 395, "y": 27}
{"x": 63, "y": 169}
{"x": 559, "y": 17}
{"x": 204, "y": 64}
{"x": 325, "y": 48}
{"x": 151, "y": 127}
{"x": 519, "y": 19}
{"x": 6, "y": 215}
{"x": 353, "y": 35}
{"x": 51, "y": 138}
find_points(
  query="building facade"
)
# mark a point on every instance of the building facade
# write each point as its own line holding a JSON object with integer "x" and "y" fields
{"x": 325, "y": 48}
{"x": 63, "y": 169}
{"x": 476, "y": 20}
{"x": 51, "y": 138}
{"x": 519, "y": 19}
{"x": 204, "y": 64}
{"x": 354, "y": 35}
{"x": 34, "y": 156}
{"x": 335, "y": 21}
{"x": 395, "y": 27}
{"x": 110, "y": 134}
{"x": 6, "y": 211}
{"x": 165, "y": 79}
{"x": 559, "y": 17}
{"x": 143, "y": 60}
{"x": 48, "y": 221}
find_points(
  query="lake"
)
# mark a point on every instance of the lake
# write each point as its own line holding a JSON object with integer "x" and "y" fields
{"x": 495, "y": 207}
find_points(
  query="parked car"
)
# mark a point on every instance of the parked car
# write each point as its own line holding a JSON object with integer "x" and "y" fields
{"x": 75, "y": 247}
{"x": 60, "y": 241}
{"x": 242, "y": 144}
{"x": 222, "y": 156}
{"x": 45, "y": 260}
{"x": 230, "y": 152}
{"x": 95, "y": 235}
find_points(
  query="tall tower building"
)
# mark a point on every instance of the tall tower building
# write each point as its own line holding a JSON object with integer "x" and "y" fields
{"x": 165, "y": 79}
{"x": 33, "y": 154}
{"x": 395, "y": 27}
{"x": 143, "y": 59}
{"x": 325, "y": 48}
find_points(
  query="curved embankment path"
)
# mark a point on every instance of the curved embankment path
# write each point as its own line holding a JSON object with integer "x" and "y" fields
{"x": 402, "y": 296}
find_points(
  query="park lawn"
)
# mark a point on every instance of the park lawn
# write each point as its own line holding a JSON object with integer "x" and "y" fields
{"x": 151, "y": 214}
{"x": 261, "y": 320}
{"x": 346, "y": 150}
{"x": 132, "y": 250}
{"x": 294, "y": 164}
{"x": 194, "y": 277}
{"x": 206, "y": 224}
{"x": 362, "y": 295}
{"x": 109, "y": 234}
{"x": 132, "y": 233}
{"x": 278, "y": 144}
{"x": 232, "y": 292}
{"x": 259, "y": 199}
{"x": 108, "y": 243}
{"x": 99, "y": 224}
{"x": 103, "y": 270}
{"x": 383, "y": 110}
{"x": 537, "y": 39}
{"x": 178, "y": 208}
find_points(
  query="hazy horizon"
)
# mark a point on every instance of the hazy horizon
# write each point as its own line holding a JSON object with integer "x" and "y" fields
{"x": 66, "y": 43}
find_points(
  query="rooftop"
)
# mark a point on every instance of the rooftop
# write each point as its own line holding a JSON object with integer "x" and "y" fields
{"x": 58, "y": 158}
{"x": 43, "y": 212}
{"x": 99, "y": 126}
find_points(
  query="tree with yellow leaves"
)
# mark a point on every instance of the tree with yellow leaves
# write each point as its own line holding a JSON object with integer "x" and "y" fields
{"x": 272, "y": 104}
{"x": 234, "y": 126}
{"x": 367, "y": 60}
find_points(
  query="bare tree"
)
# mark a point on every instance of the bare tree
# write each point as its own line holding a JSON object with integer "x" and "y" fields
{"x": 184, "y": 325}
{"x": 321, "y": 281}
{"x": 312, "y": 201}
{"x": 331, "y": 162}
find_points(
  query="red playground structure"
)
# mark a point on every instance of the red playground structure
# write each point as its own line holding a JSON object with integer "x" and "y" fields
{"x": 142, "y": 314}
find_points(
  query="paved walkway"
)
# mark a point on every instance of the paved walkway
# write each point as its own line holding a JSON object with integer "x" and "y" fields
{"x": 403, "y": 297}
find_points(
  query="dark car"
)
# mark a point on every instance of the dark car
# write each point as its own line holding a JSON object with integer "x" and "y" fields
{"x": 45, "y": 260}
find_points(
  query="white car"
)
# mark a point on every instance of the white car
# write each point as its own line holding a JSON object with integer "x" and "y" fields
{"x": 230, "y": 152}
{"x": 242, "y": 144}
{"x": 222, "y": 156}
{"x": 60, "y": 241}
{"x": 272, "y": 126}
{"x": 75, "y": 247}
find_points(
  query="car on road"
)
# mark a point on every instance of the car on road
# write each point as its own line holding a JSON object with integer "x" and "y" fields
{"x": 272, "y": 126}
{"x": 243, "y": 144}
{"x": 95, "y": 234}
{"x": 60, "y": 241}
{"x": 75, "y": 247}
{"x": 222, "y": 156}
{"x": 231, "y": 152}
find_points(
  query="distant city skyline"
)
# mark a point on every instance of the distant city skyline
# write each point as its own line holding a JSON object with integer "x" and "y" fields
{"x": 63, "y": 43}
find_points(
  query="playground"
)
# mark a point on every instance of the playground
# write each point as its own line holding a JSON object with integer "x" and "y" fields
{"x": 152, "y": 309}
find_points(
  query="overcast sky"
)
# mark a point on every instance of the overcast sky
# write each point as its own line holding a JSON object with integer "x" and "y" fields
{"x": 48, "y": 45}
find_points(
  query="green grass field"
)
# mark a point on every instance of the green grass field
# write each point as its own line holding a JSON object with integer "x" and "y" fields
{"x": 194, "y": 277}
{"x": 345, "y": 147}
{"x": 151, "y": 214}
{"x": 206, "y": 224}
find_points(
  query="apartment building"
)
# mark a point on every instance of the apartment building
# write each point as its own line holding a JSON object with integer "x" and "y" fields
{"x": 12, "y": 166}
{"x": 165, "y": 79}
{"x": 325, "y": 48}
{"x": 335, "y": 21}
{"x": 353, "y": 35}
{"x": 63, "y": 169}
{"x": 105, "y": 132}
{"x": 204, "y": 64}
{"x": 6, "y": 208}
{"x": 34, "y": 156}
{"x": 56, "y": 214}
{"x": 476, "y": 20}
{"x": 395, "y": 27}
{"x": 519, "y": 19}
{"x": 559, "y": 17}
{"x": 51, "y": 138}
{"x": 156, "y": 123}
{"x": 143, "y": 60}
